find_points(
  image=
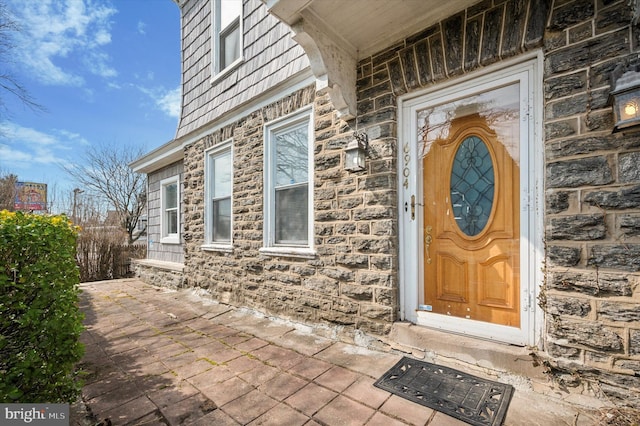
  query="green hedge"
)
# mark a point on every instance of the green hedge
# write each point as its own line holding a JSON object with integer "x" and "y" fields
{"x": 40, "y": 322}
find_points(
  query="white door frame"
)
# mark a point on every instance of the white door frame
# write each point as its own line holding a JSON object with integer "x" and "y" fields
{"x": 527, "y": 70}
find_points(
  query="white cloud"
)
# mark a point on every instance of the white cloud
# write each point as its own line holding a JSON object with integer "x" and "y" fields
{"x": 54, "y": 31}
{"x": 142, "y": 28}
{"x": 26, "y": 147}
{"x": 170, "y": 102}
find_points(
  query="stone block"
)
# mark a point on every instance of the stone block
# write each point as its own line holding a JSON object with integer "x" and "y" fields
{"x": 626, "y": 198}
{"x": 410, "y": 72}
{"x": 634, "y": 342}
{"x": 563, "y": 256}
{"x": 629, "y": 225}
{"x": 579, "y": 172}
{"x": 623, "y": 257}
{"x": 629, "y": 167}
{"x": 438, "y": 66}
{"x": 324, "y": 285}
{"x": 340, "y": 274}
{"x": 586, "y": 333}
{"x": 356, "y": 292}
{"x": 472, "y": 43}
{"x": 353, "y": 260}
{"x": 377, "y": 312}
{"x": 582, "y": 145}
{"x": 576, "y": 104}
{"x": 371, "y": 245}
{"x": 570, "y": 14}
{"x": 453, "y": 30}
{"x": 557, "y": 201}
{"x": 591, "y": 283}
{"x": 558, "y": 305}
{"x": 607, "y": 19}
{"x": 536, "y": 24}
{"x": 491, "y": 32}
{"x": 619, "y": 311}
{"x": 577, "y": 228}
{"x": 560, "y": 129}
{"x": 565, "y": 85}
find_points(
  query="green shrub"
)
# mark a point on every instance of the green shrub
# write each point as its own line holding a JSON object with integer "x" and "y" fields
{"x": 40, "y": 322}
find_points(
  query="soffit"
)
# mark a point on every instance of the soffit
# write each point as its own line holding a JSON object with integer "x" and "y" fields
{"x": 364, "y": 27}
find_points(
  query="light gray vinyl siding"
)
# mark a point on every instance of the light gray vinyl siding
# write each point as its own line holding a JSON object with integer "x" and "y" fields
{"x": 155, "y": 249}
{"x": 270, "y": 58}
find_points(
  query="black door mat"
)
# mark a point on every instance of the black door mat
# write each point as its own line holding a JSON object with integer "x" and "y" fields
{"x": 468, "y": 398}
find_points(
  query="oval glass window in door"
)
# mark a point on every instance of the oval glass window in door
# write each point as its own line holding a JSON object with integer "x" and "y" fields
{"x": 472, "y": 185}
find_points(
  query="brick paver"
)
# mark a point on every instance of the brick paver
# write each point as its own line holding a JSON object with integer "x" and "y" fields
{"x": 162, "y": 357}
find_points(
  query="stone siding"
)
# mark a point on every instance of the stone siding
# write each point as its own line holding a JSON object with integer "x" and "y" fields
{"x": 592, "y": 195}
{"x": 350, "y": 283}
{"x": 161, "y": 274}
{"x": 593, "y": 201}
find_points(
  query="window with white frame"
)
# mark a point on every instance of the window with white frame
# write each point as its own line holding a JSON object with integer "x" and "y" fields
{"x": 170, "y": 210}
{"x": 288, "y": 182}
{"x": 218, "y": 191}
{"x": 227, "y": 34}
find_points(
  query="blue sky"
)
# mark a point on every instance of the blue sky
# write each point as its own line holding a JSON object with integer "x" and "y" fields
{"x": 106, "y": 71}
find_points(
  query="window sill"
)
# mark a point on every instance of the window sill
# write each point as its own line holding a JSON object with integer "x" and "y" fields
{"x": 170, "y": 240}
{"x": 225, "y": 248}
{"x": 225, "y": 72}
{"x": 302, "y": 252}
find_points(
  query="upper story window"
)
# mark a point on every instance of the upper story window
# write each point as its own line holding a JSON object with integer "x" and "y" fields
{"x": 288, "y": 206}
{"x": 218, "y": 191}
{"x": 227, "y": 34}
{"x": 170, "y": 210}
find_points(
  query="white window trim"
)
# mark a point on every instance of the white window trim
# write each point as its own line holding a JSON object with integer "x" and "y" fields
{"x": 166, "y": 238}
{"x": 210, "y": 245}
{"x": 269, "y": 247}
{"x": 217, "y": 73}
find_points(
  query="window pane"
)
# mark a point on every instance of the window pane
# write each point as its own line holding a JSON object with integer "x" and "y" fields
{"x": 229, "y": 10}
{"x": 222, "y": 175}
{"x": 292, "y": 151}
{"x": 230, "y": 45}
{"x": 222, "y": 219}
{"x": 171, "y": 196}
{"x": 292, "y": 215}
{"x": 172, "y": 222}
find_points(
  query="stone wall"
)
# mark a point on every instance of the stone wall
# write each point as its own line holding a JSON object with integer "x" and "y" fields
{"x": 159, "y": 273}
{"x": 350, "y": 284}
{"x": 592, "y": 201}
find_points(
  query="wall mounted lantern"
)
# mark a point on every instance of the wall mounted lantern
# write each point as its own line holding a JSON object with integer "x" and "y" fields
{"x": 356, "y": 152}
{"x": 625, "y": 99}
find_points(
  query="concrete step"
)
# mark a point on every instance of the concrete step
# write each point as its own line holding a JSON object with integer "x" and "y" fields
{"x": 510, "y": 364}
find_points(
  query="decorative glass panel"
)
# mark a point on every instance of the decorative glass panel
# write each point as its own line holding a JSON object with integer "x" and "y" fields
{"x": 472, "y": 185}
{"x": 292, "y": 215}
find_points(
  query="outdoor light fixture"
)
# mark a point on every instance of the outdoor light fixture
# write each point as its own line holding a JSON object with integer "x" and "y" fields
{"x": 625, "y": 99}
{"x": 355, "y": 152}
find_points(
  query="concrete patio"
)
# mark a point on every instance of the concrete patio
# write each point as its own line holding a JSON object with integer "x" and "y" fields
{"x": 156, "y": 356}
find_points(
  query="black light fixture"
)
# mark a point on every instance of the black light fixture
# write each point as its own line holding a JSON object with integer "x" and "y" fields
{"x": 356, "y": 152}
{"x": 625, "y": 98}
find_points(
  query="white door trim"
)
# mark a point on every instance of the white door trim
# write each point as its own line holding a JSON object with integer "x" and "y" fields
{"x": 528, "y": 71}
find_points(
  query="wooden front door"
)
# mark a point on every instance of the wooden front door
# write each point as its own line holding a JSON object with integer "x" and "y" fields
{"x": 471, "y": 228}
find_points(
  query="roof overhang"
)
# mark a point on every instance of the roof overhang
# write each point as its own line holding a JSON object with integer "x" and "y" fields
{"x": 158, "y": 158}
{"x": 336, "y": 34}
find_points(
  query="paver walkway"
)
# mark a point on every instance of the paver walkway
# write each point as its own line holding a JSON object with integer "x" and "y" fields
{"x": 156, "y": 356}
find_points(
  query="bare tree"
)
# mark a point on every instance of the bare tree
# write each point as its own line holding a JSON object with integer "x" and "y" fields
{"x": 108, "y": 175}
{"x": 9, "y": 84}
{"x": 7, "y": 191}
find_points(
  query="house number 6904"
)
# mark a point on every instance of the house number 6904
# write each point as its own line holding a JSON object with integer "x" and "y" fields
{"x": 406, "y": 171}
